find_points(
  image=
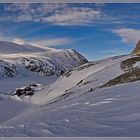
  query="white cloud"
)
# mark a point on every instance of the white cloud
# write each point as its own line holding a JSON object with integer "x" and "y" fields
{"x": 50, "y": 7}
{"x": 53, "y": 41}
{"x": 54, "y": 13}
{"x": 19, "y": 41}
{"x": 74, "y": 16}
{"x": 128, "y": 35}
{"x": 18, "y": 7}
{"x": 31, "y": 11}
{"x": 45, "y": 42}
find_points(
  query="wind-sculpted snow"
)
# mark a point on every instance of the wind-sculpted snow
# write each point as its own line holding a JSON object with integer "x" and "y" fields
{"x": 9, "y": 47}
{"x": 106, "y": 112}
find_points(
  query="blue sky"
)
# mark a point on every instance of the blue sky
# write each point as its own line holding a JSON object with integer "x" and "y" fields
{"x": 95, "y": 30}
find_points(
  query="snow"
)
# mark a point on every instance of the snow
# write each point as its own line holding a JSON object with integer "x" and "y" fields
{"x": 137, "y": 64}
{"x": 72, "y": 117}
{"x": 99, "y": 71}
{"x": 48, "y": 62}
{"x": 66, "y": 106}
{"x": 10, "y": 84}
{"x": 5, "y": 48}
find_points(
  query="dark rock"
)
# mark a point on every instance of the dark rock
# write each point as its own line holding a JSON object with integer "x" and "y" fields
{"x": 27, "y": 91}
{"x": 130, "y": 76}
{"x": 33, "y": 85}
{"x": 91, "y": 90}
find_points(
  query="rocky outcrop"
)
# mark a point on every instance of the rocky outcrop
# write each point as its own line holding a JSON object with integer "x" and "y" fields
{"x": 26, "y": 91}
{"x": 137, "y": 48}
{"x": 7, "y": 70}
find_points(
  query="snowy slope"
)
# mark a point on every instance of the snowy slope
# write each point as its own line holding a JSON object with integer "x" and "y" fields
{"x": 70, "y": 108}
{"x": 95, "y": 99}
{"x": 107, "y": 112}
{"x": 93, "y": 74}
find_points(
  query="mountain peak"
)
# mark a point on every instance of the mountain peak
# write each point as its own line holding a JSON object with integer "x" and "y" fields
{"x": 137, "y": 48}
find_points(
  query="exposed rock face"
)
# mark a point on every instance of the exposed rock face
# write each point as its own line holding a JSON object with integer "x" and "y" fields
{"x": 137, "y": 48}
{"x": 7, "y": 70}
{"x": 131, "y": 68}
{"x": 27, "y": 91}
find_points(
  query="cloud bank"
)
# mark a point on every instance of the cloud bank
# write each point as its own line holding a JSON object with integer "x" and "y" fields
{"x": 128, "y": 35}
{"x": 53, "y": 13}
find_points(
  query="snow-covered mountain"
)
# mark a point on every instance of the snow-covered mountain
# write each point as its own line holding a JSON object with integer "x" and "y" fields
{"x": 90, "y": 76}
{"x": 32, "y": 62}
{"x": 95, "y": 99}
{"x": 45, "y": 61}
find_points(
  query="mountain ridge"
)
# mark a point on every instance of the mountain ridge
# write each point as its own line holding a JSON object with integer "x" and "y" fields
{"x": 38, "y": 57}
